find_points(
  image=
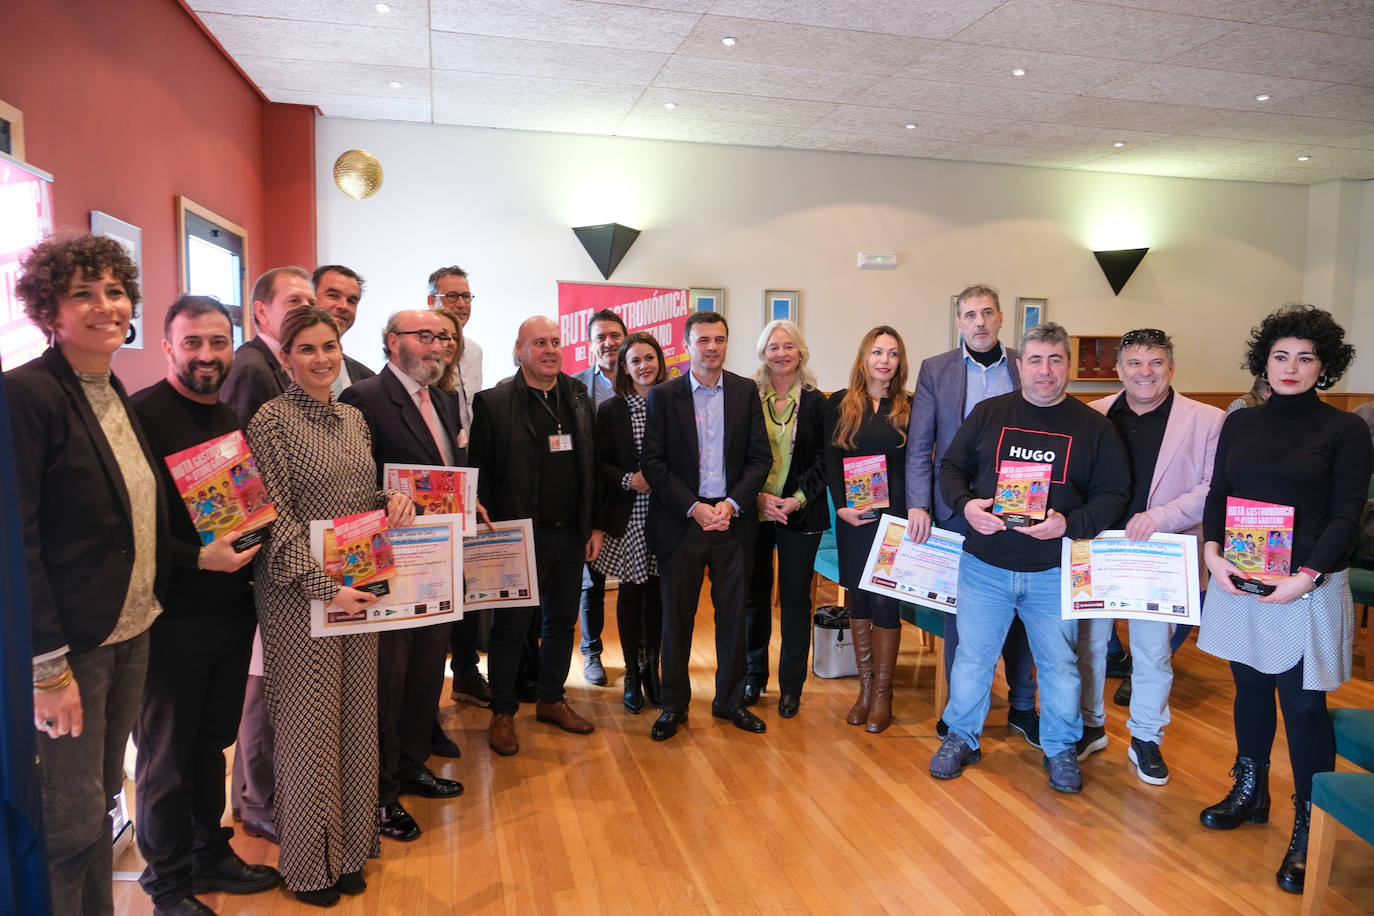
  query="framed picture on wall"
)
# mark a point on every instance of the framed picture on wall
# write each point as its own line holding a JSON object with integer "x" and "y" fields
{"x": 1029, "y": 313}
{"x": 782, "y": 305}
{"x": 955, "y": 338}
{"x": 707, "y": 300}
{"x": 131, "y": 237}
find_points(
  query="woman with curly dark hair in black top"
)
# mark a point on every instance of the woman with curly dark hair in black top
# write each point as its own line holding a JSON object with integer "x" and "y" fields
{"x": 1294, "y": 450}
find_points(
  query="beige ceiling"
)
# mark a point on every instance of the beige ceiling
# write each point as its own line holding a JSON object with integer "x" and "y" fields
{"x": 1175, "y": 81}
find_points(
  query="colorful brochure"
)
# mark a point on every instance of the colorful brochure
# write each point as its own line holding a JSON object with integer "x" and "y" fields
{"x": 1259, "y": 538}
{"x": 357, "y": 552}
{"x": 1023, "y": 492}
{"x": 220, "y": 485}
{"x": 440, "y": 490}
{"x": 865, "y": 482}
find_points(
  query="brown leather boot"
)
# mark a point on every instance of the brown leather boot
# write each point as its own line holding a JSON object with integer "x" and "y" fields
{"x": 885, "y": 646}
{"x": 862, "y": 631}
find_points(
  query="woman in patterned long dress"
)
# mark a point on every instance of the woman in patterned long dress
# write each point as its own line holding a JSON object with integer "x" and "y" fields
{"x": 867, "y": 420}
{"x": 315, "y": 457}
{"x": 1295, "y": 451}
{"x": 624, "y": 553}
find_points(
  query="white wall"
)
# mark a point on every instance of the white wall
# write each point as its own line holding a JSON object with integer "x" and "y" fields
{"x": 502, "y": 203}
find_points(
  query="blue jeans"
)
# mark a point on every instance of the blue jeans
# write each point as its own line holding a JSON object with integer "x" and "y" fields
{"x": 989, "y": 597}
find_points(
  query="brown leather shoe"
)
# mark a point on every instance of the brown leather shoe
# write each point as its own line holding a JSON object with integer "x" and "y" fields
{"x": 564, "y": 716}
{"x": 501, "y": 734}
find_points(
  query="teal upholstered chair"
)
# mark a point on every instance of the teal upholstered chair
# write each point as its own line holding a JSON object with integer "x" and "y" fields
{"x": 1347, "y": 798}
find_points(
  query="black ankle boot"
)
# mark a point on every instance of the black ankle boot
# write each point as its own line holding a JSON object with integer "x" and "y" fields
{"x": 634, "y": 691}
{"x": 648, "y": 674}
{"x": 1294, "y": 868}
{"x": 1248, "y": 799}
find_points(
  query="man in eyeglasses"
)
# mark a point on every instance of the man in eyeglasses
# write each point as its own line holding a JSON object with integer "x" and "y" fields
{"x": 532, "y": 446}
{"x": 412, "y": 422}
{"x": 1171, "y": 442}
{"x": 338, "y": 290}
{"x": 449, "y": 287}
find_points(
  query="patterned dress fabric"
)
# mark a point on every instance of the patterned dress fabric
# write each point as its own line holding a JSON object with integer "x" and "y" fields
{"x": 627, "y": 557}
{"x": 316, "y": 460}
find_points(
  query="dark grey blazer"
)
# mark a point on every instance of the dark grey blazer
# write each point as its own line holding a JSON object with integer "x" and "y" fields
{"x": 937, "y": 411}
{"x": 255, "y": 378}
{"x": 399, "y": 433}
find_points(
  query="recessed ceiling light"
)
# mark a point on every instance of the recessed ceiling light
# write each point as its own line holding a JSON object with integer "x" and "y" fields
{"x": 670, "y": 104}
{"x": 728, "y": 41}
{"x": 1019, "y": 71}
{"x": 1262, "y": 97}
{"x": 395, "y": 84}
{"x": 910, "y": 126}
{"x": 1304, "y": 158}
{"x": 382, "y": 8}
{"x": 1118, "y": 144}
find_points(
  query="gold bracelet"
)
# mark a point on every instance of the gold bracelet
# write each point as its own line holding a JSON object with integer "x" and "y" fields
{"x": 56, "y": 682}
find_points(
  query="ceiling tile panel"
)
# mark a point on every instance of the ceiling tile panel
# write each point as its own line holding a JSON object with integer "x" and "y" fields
{"x": 892, "y": 122}
{"x": 654, "y": 127}
{"x": 1088, "y": 111}
{"x": 295, "y": 40}
{"x": 531, "y": 103}
{"x": 1340, "y": 17}
{"x": 1339, "y": 101}
{"x": 335, "y": 77}
{"x": 357, "y": 106}
{"x": 813, "y": 47}
{"x": 1013, "y": 155}
{"x": 928, "y": 95}
{"x": 987, "y": 65}
{"x": 1070, "y": 26}
{"x": 404, "y": 14}
{"x": 1088, "y": 140}
{"x": 483, "y": 54}
{"x": 1235, "y": 10}
{"x": 747, "y": 78}
{"x": 706, "y": 106}
{"x": 919, "y": 18}
{"x": 568, "y": 21}
{"x": 1283, "y": 128}
{"x": 1178, "y": 85}
{"x": 1285, "y": 52}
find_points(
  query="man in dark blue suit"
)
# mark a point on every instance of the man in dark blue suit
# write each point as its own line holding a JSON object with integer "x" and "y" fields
{"x": 705, "y": 456}
{"x": 412, "y": 423}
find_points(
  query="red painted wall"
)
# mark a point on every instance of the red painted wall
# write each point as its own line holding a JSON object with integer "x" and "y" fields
{"x": 129, "y": 104}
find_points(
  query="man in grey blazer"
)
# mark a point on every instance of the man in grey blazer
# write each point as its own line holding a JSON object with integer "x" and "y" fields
{"x": 605, "y": 332}
{"x": 947, "y": 388}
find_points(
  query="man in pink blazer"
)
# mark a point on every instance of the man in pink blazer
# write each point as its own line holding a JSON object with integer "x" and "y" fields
{"x": 1171, "y": 441}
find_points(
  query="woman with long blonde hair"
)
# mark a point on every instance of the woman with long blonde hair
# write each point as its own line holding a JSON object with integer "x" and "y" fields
{"x": 868, "y": 420}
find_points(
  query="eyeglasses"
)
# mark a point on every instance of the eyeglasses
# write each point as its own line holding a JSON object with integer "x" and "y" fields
{"x": 1145, "y": 337}
{"x": 429, "y": 337}
{"x": 454, "y": 298}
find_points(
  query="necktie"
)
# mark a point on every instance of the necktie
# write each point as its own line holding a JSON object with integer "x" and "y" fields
{"x": 431, "y": 418}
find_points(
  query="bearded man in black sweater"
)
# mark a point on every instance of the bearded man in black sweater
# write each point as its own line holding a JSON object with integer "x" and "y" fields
{"x": 200, "y": 646}
{"x": 1013, "y": 569}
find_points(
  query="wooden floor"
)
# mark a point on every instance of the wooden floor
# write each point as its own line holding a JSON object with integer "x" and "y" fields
{"x": 820, "y": 817}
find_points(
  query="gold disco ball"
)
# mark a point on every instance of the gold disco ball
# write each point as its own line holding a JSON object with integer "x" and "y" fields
{"x": 358, "y": 174}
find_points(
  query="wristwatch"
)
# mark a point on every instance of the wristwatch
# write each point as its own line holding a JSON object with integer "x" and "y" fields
{"x": 1317, "y": 578}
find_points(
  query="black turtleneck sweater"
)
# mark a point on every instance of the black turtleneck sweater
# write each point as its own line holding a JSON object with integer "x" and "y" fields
{"x": 1296, "y": 451}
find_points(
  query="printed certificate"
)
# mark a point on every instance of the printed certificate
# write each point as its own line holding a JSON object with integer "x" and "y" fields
{"x": 429, "y": 563}
{"x": 1113, "y": 576}
{"x": 925, "y": 574}
{"x": 500, "y": 570}
{"x": 448, "y": 491}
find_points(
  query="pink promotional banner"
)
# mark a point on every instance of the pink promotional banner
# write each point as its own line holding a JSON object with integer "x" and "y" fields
{"x": 25, "y": 218}
{"x": 660, "y": 311}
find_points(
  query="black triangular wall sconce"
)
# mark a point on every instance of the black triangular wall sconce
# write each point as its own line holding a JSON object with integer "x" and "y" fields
{"x": 606, "y": 244}
{"x": 1119, "y": 265}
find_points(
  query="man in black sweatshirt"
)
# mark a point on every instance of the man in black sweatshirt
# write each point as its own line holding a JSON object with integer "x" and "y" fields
{"x": 1039, "y": 438}
{"x": 200, "y": 646}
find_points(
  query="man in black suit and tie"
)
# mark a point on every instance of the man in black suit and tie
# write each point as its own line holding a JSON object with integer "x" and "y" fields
{"x": 412, "y": 423}
{"x": 256, "y": 377}
{"x": 338, "y": 290}
{"x": 706, "y": 455}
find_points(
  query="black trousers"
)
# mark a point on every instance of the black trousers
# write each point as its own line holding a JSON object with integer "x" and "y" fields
{"x": 463, "y": 644}
{"x": 559, "y": 554}
{"x": 410, "y": 679}
{"x": 1311, "y": 740}
{"x": 796, "y": 558}
{"x": 681, "y": 572}
{"x": 192, "y": 698}
{"x": 639, "y": 617}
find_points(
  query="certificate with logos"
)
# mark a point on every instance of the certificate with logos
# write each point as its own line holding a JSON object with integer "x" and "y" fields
{"x": 500, "y": 566}
{"x": 1113, "y": 576}
{"x": 425, "y": 590}
{"x": 925, "y": 574}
